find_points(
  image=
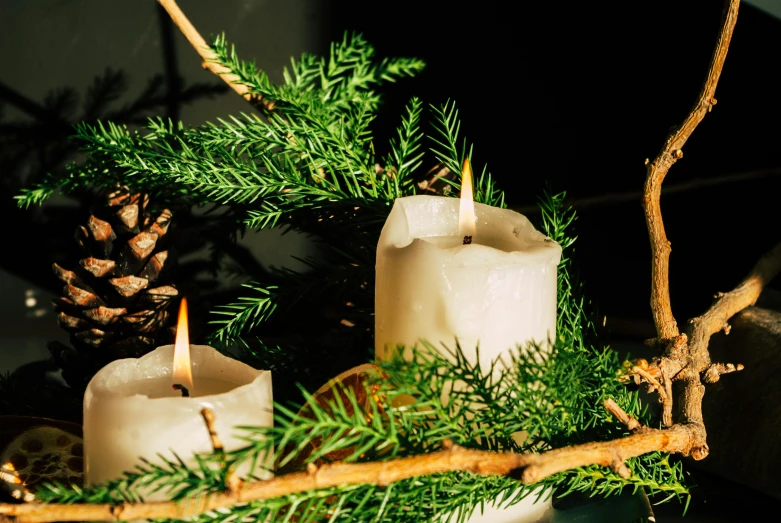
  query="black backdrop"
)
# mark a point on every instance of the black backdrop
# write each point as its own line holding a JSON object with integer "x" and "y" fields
{"x": 576, "y": 95}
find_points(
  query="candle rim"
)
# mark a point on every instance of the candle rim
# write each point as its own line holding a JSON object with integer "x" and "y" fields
{"x": 527, "y": 255}
{"x": 534, "y": 246}
{"x": 103, "y": 385}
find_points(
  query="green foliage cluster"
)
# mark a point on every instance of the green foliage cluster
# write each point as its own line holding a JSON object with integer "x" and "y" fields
{"x": 310, "y": 164}
{"x": 555, "y": 398}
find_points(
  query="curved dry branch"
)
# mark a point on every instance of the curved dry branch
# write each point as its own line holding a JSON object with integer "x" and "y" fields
{"x": 656, "y": 171}
{"x": 728, "y": 304}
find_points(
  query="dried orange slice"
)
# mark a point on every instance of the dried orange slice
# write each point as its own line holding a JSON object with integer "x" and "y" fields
{"x": 41, "y": 454}
{"x": 353, "y": 380}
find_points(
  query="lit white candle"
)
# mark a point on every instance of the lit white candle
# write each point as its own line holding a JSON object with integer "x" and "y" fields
{"x": 498, "y": 291}
{"x": 450, "y": 269}
{"x": 132, "y": 411}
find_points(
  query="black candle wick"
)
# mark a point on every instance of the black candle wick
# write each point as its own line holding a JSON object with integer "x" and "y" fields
{"x": 467, "y": 240}
{"x": 185, "y": 391}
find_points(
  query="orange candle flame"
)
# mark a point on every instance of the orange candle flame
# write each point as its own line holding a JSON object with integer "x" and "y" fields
{"x": 466, "y": 217}
{"x": 183, "y": 373}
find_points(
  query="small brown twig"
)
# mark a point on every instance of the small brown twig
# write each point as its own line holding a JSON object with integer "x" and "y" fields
{"x": 651, "y": 380}
{"x": 232, "y": 482}
{"x": 214, "y": 438}
{"x": 715, "y": 370}
{"x": 209, "y": 56}
{"x": 627, "y": 419}
{"x": 663, "y": 389}
{"x": 437, "y": 172}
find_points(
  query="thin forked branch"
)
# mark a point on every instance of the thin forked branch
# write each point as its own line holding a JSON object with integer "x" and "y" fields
{"x": 656, "y": 171}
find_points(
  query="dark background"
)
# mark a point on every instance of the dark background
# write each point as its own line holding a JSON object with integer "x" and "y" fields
{"x": 575, "y": 96}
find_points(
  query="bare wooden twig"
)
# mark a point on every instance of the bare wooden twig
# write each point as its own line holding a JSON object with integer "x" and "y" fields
{"x": 214, "y": 438}
{"x": 232, "y": 482}
{"x": 625, "y": 418}
{"x": 657, "y": 169}
{"x": 532, "y": 467}
{"x": 209, "y": 56}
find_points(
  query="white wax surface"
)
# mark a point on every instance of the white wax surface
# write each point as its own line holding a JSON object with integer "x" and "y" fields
{"x": 163, "y": 388}
{"x": 497, "y": 292}
{"x": 131, "y": 410}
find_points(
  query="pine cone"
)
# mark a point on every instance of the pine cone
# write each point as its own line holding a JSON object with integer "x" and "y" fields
{"x": 115, "y": 304}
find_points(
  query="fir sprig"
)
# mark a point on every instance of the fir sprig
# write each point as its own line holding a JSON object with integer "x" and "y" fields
{"x": 446, "y": 149}
{"x": 245, "y": 314}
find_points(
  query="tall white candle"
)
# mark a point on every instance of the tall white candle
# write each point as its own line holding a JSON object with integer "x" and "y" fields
{"x": 482, "y": 277}
{"x": 498, "y": 291}
{"x": 131, "y": 410}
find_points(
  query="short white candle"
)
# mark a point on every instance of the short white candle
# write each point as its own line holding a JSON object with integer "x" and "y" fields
{"x": 132, "y": 411}
{"x": 498, "y": 291}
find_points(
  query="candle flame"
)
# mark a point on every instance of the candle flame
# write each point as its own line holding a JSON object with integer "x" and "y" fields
{"x": 183, "y": 373}
{"x": 466, "y": 218}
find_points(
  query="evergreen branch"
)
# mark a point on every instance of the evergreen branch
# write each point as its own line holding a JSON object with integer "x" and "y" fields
{"x": 76, "y": 177}
{"x": 404, "y": 158}
{"x": 557, "y": 221}
{"x": 245, "y": 314}
{"x": 445, "y": 147}
{"x": 246, "y": 73}
{"x": 448, "y": 126}
{"x": 321, "y": 87}
{"x": 400, "y": 439}
{"x": 314, "y": 160}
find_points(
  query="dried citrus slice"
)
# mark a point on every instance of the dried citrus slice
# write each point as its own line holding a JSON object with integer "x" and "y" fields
{"x": 41, "y": 454}
{"x": 353, "y": 380}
